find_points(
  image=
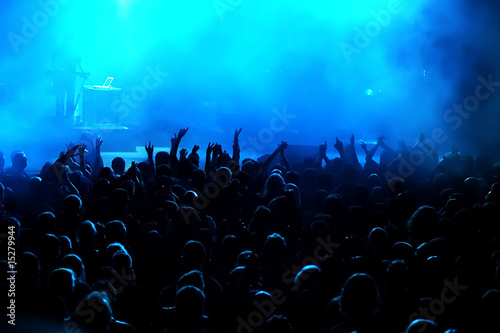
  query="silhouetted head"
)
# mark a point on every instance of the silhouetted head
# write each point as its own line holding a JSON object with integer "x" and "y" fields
{"x": 113, "y": 248}
{"x": 379, "y": 239}
{"x": 193, "y": 253}
{"x": 190, "y": 303}
{"x": 490, "y": 305}
{"x": 359, "y": 298}
{"x": 66, "y": 245}
{"x": 35, "y": 185}
{"x": 333, "y": 205}
{"x": 106, "y": 173}
{"x": 72, "y": 205}
{"x": 19, "y": 161}
{"x": 194, "y": 158}
{"x": 162, "y": 157}
{"x": 275, "y": 248}
{"x": 192, "y": 278}
{"x": 122, "y": 263}
{"x": 86, "y": 233}
{"x": 403, "y": 251}
{"x": 118, "y": 165}
{"x": 189, "y": 198}
{"x": 163, "y": 170}
{"x": 231, "y": 248}
{"x": 397, "y": 185}
{"x": 198, "y": 177}
{"x": 28, "y": 268}
{"x": 309, "y": 278}
{"x": 50, "y": 249}
{"x": 262, "y": 218}
{"x": 100, "y": 321}
{"x": 73, "y": 262}
{"x": 115, "y": 231}
{"x": 325, "y": 181}
{"x": 292, "y": 177}
{"x": 46, "y": 222}
{"x": 397, "y": 273}
{"x": 120, "y": 199}
{"x": 62, "y": 282}
{"x": 274, "y": 186}
{"x": 360, "y": 195}
{"x": 422, "y": 224}
{"x": 223, "y": 176}
{"x": 248, "y": 259}
{"x": 277, "y": 323}
{"x": 296, "y": 193}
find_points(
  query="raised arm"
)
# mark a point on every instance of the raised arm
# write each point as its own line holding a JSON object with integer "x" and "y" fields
{"x": 216, "y": 154}
{"x": 265, "y": 165}
{"x": 69, "y": 185}
{"x": 284, "y": 161}
{"x": 61, "y": 169}
{"x": 193, "y": 157}
{"x": 176, "y": 140}
{"x": 98, "y": 164}
{"x": 236, "y": 146}
{"x": 321, "y": 156}
{"x": 354, "y": 157}
{"x": 208, "y": 157}
{"x": 150, "y": 151}
{"x": 403, "y": 148}
{"x": 133, "y": 174}
{"x": 81, "y": 152}
{"x": 339, "y": 146}
{"x": 371, "y": 152}
{"x": 427, "y": 148}
{"x": 382, "y": 144}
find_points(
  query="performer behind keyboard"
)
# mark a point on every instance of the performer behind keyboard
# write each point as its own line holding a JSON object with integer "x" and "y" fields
{"x": 65, "y": 60}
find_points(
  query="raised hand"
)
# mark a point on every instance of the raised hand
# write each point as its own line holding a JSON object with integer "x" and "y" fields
{"x": 322, "y": 149}
{"x": 237, "y": 135}
{"x": 195, "y": 149}
{"x": 149, "y": 149}
{"x": 183, "y": 152}
{"x": 68, "y": 157}
{"x": 70, "y": 145}
{"x": 352, "y": 139}
{"x": 281, "y": 148}
{"x": 380, "y": 140}
{"x": 182, "y": 132}
{"x": 82, "y": 149}
{"x": 363, "y": 146}
{"x": 133, "y": 169}
{"x": 283, "y": 145}
{"x": 98, "y": 142}
{"x": 210, "y": 148}
{"x": 70, "y": 153}
{"x": 178, "y": 136}
{"x": 217, "y": 149}
{"x": 338, "y": 145}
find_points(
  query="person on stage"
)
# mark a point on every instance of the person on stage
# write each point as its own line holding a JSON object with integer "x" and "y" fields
{"x": 65, "y": 62}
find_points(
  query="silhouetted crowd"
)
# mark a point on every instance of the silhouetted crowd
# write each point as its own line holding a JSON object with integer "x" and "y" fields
{"x": 178, "y": 243}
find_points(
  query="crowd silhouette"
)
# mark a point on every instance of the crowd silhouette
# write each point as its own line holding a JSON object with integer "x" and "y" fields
{"x": 179, "y": 243}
